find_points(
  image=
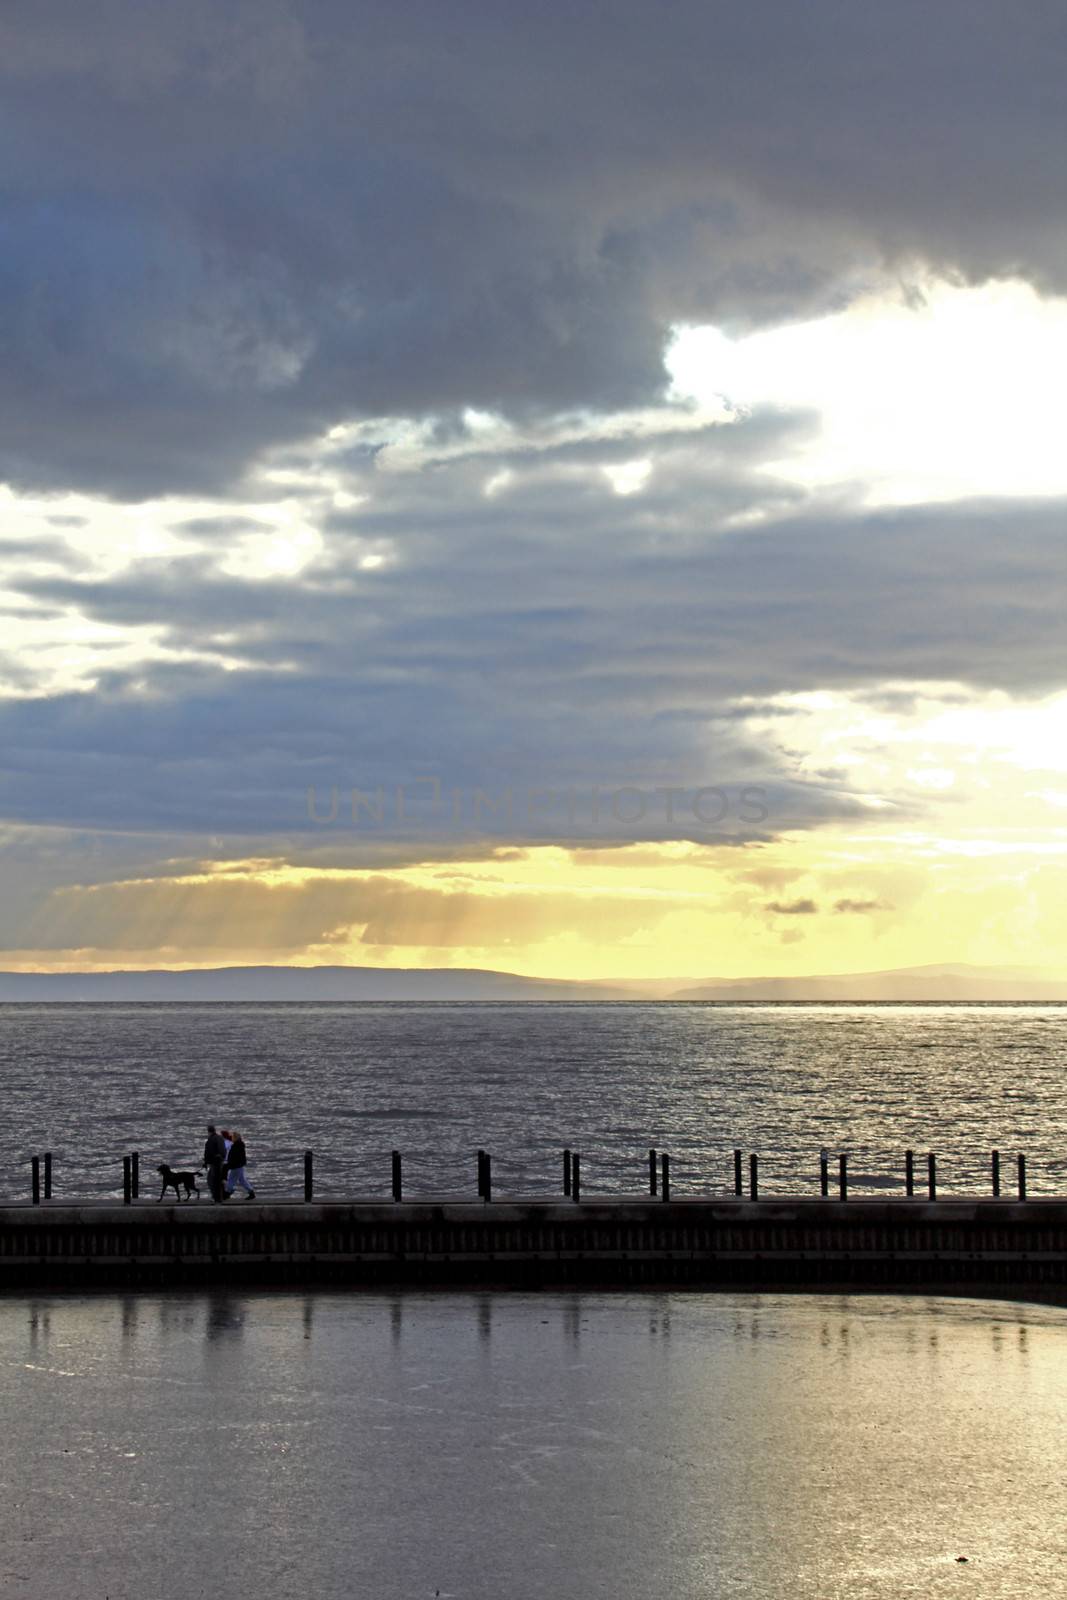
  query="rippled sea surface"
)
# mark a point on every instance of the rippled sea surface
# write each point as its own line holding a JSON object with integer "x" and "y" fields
{"x": 517, "y": 1447}
{"x": 437, "y": 1082}
{"x": 522, "y": 1447}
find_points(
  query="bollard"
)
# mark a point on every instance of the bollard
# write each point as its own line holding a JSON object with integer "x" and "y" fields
{"x": 931, "y": 1175}
{"x": 35, "y": 1180}
{"x": 487, "y": 1176}
{"x": 135, "y": 1174}
{"x": 666, "y": 1190}
{"x": 566, "y": 1172}
{"x": 996, "y": 1174}
{"x": 737, "y": 1172}
{"x": 652, "y": 1172}
{"x": 753, "y": 1177}
{"x": 309, "y": 1174}
{"x": 481, "y": 1174}
{"x": 48, "y": 1174}
{"x": 909, "y": 1173}
{"x": 842, "y": 1176}
{"x": 1021, "y": 1166}
{"x": 824, "y": 1175}
{"x": 576, "y": 1177}
{"x": 398, "y": 1182}
{"x": 126, "y": 1181}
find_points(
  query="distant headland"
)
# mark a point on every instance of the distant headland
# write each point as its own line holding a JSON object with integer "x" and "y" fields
{"x": 929, "y": 984}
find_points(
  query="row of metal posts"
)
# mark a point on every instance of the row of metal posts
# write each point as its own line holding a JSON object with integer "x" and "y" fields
{"x": 659, "y": 1175}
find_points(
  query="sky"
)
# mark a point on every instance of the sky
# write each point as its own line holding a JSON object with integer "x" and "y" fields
{"x": 576, "y": 491}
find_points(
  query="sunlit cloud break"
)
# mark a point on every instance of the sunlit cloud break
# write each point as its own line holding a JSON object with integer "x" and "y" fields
{"x": 580, "y": 504}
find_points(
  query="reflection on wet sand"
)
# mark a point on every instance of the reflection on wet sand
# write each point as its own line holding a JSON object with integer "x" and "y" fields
{"x": 517, "y": 1444}
{"x": 40, "y": 1324}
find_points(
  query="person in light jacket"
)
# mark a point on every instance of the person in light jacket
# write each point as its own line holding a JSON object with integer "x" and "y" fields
{"x": 235, "y": 1163}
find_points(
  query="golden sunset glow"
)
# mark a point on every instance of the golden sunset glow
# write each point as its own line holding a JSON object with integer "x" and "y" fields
{"x": 851, "y": 901}
{"x": 633, "y": 468}
{"x": 956, "y": 852}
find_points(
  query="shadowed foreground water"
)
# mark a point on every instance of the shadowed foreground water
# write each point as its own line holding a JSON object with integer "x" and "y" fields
{"x": 527, "y": 1446}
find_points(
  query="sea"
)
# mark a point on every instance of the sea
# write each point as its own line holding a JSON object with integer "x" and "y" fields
{"x": 353, "y": 1082}
{"x": 515, "y": 1446}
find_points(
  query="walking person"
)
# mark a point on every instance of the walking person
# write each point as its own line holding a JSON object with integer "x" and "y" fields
{"x": 214, "y": 1158}
{"x": 235, "y": 1163}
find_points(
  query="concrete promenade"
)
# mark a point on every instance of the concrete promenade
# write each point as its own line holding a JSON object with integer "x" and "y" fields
{"x": 988, "y": 1246}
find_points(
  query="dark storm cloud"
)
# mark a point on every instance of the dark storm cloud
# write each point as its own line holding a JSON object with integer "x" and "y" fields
{"x": 225, "y": 227}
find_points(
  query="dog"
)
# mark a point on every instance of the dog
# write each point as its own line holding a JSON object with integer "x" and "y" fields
{"x": 178, "y": 1180}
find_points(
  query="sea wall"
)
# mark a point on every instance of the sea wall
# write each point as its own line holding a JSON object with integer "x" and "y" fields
{"x": 947, "y": 1245}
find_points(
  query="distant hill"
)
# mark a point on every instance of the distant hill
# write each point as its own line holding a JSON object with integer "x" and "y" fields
{"x": 934, "y": 983}
{"x": 295, "y": 984}
{"x": 931, "y": 984}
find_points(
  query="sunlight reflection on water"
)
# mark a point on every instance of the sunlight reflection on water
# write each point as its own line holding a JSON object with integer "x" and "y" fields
{"x": 440, "y": 1081}
{"x": 523, "y": 1446}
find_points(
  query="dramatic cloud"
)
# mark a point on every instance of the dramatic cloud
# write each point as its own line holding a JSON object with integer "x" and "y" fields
{"x": 226, "y": 227}
{"x": 552, "y": 638}
{"x": 434, "y": 436}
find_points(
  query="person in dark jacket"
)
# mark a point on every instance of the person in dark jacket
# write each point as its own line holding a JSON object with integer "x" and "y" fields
{"x": 214, "y": 1157}
{"x": 235, "y": 1164}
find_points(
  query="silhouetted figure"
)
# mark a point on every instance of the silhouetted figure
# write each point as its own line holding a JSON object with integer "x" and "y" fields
{"x": 214, "y": 1160}
{"x": 235, "y": 1165}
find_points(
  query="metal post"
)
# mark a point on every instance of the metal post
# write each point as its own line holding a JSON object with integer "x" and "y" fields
{"x": 48, "y": 1174}
{"x": 309, "y": 1174}
{"x": 737, "y": 1172}
{"x": 135, "y": 1173}
{"x": 576, "y": 1177}
{"x": 931, "y": 1175}
{"x": 1021, "y": 1164}
{"x": 566, "y": 1172}
{"x": 996, "y": 1174}
{"x": 842, "y": 1176}
{"x": 398, "y": 1181}
{"x": 666, "y": 1187}
{"x": 824, "y": 1175}
{"x": 753, "y": 1177}
{"x": 652, "y": 1172}
{"x": 35, "y": 1180}
{"x": 127, "y": 1188}
{"x": 909, "y": 1173}
{"x": 481, "y": 1174}
{"x": 487, "y": 1176}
